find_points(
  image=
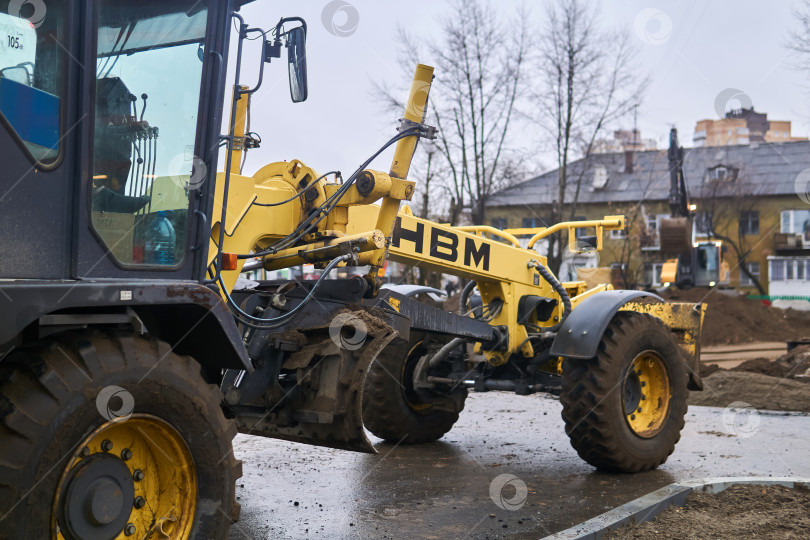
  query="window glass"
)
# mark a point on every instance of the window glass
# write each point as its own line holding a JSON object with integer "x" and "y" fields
{"x": 777, "y": 270}
{"x": 754, "y": 269}
{"x": 749, "y": 222}
{"x": 31, "y": 62}
{"x": 498, "y": 223}
{"x": 149, "y": 65}
{"x": 708, "y": 265}
{"x": 532, "y": 223}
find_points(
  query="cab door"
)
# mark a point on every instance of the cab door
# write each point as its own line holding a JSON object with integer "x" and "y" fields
{"x": 39, "y": 131}
{"x": 152, "y": 121}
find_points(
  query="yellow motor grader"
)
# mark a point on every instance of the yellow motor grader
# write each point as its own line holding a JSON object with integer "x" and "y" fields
{"x": 131, "y": 352}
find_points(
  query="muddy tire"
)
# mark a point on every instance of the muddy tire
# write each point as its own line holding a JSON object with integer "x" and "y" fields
{"x": 394, "y": 411}
{"x": 624, "y": 409}
{"x": 60, "y": 425}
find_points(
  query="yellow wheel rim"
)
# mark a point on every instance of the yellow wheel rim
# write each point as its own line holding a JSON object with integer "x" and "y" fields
{"x": 646, "y": 394}
{"x": 162, "y": 474}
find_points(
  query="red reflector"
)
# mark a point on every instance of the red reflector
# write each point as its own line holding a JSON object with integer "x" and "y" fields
{"x": 229, "y": 261}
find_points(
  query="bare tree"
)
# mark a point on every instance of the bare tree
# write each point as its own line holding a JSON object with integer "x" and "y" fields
{"x": 724, "y": 202}
{"x": 588, "y": 79}
{"x": 626, "y": 251}
{"x": 480, "y": 62}
{"x": 798, "y": 41}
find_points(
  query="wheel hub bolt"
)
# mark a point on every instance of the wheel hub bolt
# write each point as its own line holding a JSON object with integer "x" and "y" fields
{"x": 632, "y": 417}
{"x": 639, "y": 409}
{"x": 126, "y": 454}
{"x": 85, "y": 451}
{"x": 106, "y": 445}
{"x": 137, "y": 475}
{"x": 139, "y": 502}
{"x": 643, "y": 384}
{"x": 643, "y": 397}
{"x": 129, "y": 530}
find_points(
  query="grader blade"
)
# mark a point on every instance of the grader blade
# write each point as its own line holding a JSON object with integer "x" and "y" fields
{"x": 324, "y": 406}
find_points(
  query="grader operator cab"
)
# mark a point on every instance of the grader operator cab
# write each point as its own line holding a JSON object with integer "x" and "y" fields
{"x": 130, "y": 351}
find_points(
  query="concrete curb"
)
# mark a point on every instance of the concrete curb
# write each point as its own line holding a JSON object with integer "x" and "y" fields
{"x": 645, "y": 508}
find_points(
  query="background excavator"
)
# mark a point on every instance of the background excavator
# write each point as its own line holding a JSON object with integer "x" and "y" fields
{"x": 131, "y": 352}
{"x": 689, "y": 263}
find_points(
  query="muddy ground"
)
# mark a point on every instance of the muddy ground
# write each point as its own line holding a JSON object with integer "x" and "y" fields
{"x": 443, "y": 489}
{"x": 779, "y": 385}
{"x": 740, "y": 512}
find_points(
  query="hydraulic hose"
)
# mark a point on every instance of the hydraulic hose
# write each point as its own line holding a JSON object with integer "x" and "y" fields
{"x": 559, "y": 289}
{"x": 442, "y": 353}
{"x": 465, "y": 295}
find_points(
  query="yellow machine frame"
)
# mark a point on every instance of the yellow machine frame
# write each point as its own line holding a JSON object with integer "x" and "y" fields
{"x": 494, "y": 259}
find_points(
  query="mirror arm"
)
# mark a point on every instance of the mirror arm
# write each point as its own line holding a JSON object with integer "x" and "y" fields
{"x": 261, "y": 68}
{"x": 290, "y": 19}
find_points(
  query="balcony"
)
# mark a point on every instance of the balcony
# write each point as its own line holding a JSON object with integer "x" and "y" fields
{"x": 791, "y": 242}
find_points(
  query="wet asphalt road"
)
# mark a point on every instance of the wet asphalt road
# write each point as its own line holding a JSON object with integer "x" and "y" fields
{"x": 442, "y": 490}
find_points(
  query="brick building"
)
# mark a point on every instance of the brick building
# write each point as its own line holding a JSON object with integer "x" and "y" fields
{"x": 742, "y": 126}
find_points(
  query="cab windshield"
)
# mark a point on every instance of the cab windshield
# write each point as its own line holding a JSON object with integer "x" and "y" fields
{"x": 148, "y": 74}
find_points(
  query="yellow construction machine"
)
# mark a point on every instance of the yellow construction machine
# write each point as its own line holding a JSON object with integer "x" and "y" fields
{"x": 689, "y": 263}
{"x": 131, "y": 351}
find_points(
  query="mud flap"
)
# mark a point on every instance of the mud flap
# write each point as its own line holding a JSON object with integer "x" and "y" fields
{"x": 324, "y": 406}
{"x": 686, "y": 322}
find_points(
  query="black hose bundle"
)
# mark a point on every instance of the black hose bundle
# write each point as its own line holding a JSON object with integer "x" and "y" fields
{"x": 557, "y": 286}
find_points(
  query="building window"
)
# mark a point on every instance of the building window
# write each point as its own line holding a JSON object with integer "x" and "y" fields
{"x": 797, "y": 222}
{"x": 789, "y": 269}
{"x": 703, "y": 224}
{"x": 745, "y": 281}
{"x": 585, "y": 231}
{"x": 650, "y": 239}
{"x": 498, "y": 223}
{"x": 532, "y": 223}
{"x": 749, "y": 223}
{"x": 723, "y": 172}
{"x": 777, "y": 270}
{"x": 618, "y": 235}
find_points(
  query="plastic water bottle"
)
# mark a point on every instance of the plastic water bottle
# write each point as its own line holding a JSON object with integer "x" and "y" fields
{"x": 160, "y": 240}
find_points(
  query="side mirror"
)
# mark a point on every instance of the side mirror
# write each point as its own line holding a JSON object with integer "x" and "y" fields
{"x": 297, "y": 63}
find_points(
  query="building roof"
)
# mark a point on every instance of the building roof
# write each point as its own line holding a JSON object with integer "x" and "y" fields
{"x": 764, "y": 169}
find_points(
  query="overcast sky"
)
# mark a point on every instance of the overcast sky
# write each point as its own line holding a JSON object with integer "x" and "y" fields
{"x": 692, "y": 49}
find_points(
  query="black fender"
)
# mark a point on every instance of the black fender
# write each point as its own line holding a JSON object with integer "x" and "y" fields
{"x": 582, "y": 330}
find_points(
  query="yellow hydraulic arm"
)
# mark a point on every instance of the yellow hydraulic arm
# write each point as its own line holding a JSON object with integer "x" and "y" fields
{"x": 333, "y": 220}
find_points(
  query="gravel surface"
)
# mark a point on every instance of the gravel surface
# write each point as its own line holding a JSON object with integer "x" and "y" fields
{"x": 740, "y": 512}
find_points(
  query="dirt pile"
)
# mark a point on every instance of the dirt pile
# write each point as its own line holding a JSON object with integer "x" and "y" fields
{"x": 736, "y": 319}
{"x": 741, "y": 512}
{"x": 793, "y": 365}
{"x": 723, "y": 388}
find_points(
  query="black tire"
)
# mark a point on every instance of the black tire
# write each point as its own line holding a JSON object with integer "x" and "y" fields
{"x": 394, "y": 411}
{"x": 48, "y": 407}
{"x": 596, "y": 392}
